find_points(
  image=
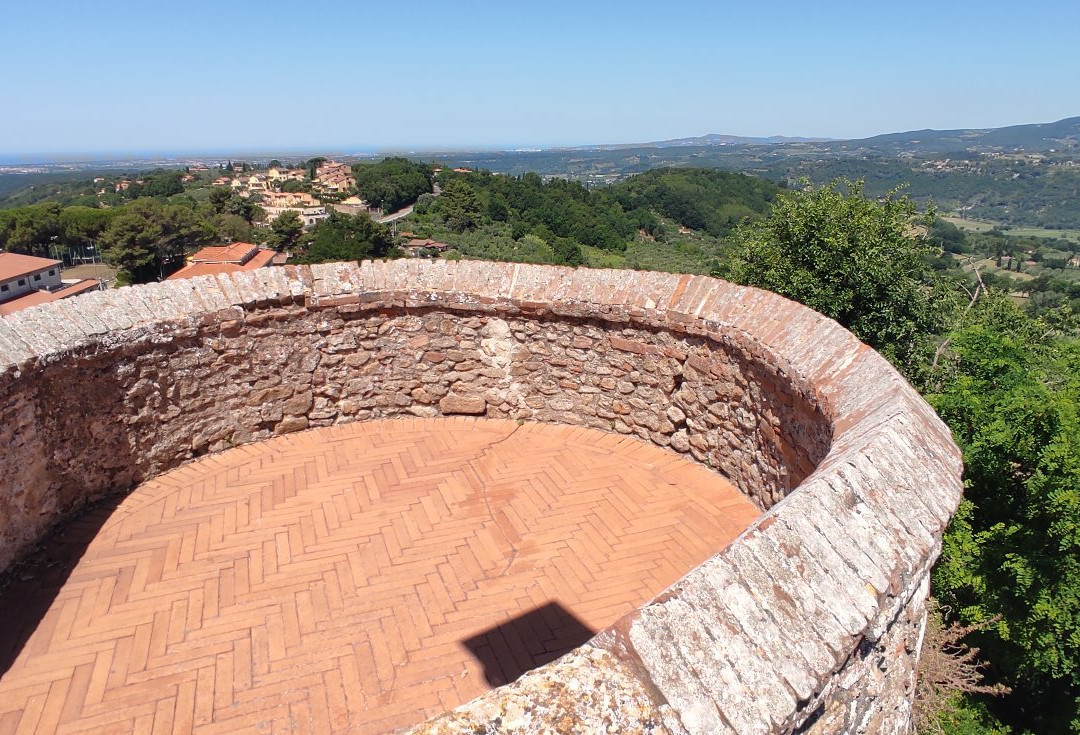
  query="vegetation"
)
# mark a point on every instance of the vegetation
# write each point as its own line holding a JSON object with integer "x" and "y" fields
{"x": 851, "y": 258}
{"x": 393, "y": 183}
{"x": 285, "y": 231}
{"x": 1011, "y": 394}
{"x": 647, "y": 221}
{"x": 709, "y": 200}
{"x": 346, "y": 237}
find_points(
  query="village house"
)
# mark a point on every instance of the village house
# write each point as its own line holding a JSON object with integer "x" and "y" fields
{"x": 288, "y": 199}
{"x": 334, "y": 177}
{"x": 309, "y": 216}
{"x": 279, "y": 175}
{"x": 26, "y": 281}
{"x": 237, "y": 256}
{"x": 352, "y": 205}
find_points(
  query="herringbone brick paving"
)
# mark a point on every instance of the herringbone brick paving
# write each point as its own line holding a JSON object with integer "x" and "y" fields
{"x": 359, "y": 578}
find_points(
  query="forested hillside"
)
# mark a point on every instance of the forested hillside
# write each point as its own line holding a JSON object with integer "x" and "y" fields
{"x": 659, "y": 219}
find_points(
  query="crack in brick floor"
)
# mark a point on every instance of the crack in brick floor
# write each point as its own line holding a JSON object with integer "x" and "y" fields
{"x": 355, "y": 578}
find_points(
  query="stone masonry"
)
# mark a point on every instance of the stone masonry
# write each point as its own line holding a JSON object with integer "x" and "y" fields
{"x": 810, "y": 622}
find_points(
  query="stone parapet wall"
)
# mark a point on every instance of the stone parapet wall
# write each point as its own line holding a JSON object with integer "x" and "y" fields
{"x": 811, "y": 620}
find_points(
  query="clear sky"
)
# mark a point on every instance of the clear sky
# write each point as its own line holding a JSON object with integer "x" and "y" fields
{"x": 162, "y": 75}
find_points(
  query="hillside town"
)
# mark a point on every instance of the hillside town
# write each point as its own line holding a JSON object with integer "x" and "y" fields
{"x": 212, "y": 220}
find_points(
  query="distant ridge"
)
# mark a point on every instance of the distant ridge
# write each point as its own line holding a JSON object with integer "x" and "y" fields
{"x": 1031, "y": 137}
{"x": 700, "y": 140}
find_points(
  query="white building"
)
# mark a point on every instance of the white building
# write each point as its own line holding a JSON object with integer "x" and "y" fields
{"x": 22, "y": 274}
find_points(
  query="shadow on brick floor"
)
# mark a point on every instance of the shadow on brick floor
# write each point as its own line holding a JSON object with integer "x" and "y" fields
{"x": 524, "y": 642}
{"x": 28, "y": 590}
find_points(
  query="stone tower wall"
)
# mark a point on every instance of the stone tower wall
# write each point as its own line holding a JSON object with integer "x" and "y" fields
{"x": 811, "y": 621}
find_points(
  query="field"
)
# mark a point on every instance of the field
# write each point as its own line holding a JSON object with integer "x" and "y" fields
{"x": 979, "y": 226}
{"x": 970, "y": 224}
{"x": 1073, "y": 235}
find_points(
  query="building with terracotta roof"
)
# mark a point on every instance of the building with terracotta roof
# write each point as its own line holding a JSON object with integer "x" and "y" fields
{"x": 236, "y": 253}
{"x": 334, "y": 177}
{"x": 237, "y": 256}
{"x": 22, "y": 274}
{"x": 288, "y": 199}
{"x": 26, "y": 281}
{"x": 278, "y": 175}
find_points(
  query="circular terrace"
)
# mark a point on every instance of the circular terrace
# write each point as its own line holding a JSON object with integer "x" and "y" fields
{"x": 812, "y": 615}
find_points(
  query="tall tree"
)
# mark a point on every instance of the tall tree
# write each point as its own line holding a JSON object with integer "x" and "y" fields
{"x": 285, "y": 230}
{"x": 851, "y": 258}
{"x": 460, "y": 206}
{"x": 345, "y": 237}
{"x": 129, "y": 246}
{"x": 1011, "y": 394}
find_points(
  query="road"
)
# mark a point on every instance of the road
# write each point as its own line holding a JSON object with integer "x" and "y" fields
{"x": 404, "y": 211}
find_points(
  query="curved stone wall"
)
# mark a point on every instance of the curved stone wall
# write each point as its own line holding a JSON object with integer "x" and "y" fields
{"x": 811, "y": 621}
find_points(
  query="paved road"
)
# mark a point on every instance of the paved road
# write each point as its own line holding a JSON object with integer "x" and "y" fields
{"x": 404, "y": 212}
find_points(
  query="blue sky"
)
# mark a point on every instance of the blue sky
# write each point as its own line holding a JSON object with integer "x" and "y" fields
{"x": 109, "y": 76}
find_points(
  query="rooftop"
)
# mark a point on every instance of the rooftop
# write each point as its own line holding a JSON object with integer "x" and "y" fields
{"x": 237, "y": 252}
{"x": 239, "y": 256}
{"x": 13, "y": 265}
{"x": 43, "y": 297}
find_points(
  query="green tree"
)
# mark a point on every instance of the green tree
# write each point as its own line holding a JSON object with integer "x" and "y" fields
{"x": 150, "y": 237}
{"x": 392, "y": 183}
{"x": 342, "y": 237}
{"x": 82, "y": 226}
{"x": 129, "y": 244}
{"x": 851, "y": 258}
{"x": 460, "y": 206}
{"x": 1010, "y": 391}
{"x": 223, "y": 200}
{"x": 30, "y": 230}
{"x": 285, "y": 230}
{"x": 233, "y": 228}
{"x": 312, "y": 165}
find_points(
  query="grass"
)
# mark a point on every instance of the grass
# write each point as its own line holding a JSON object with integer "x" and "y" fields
{"x": 1073, "y": 235}
{"x": 970, "y": 224}
{"x": 981, "y": 226}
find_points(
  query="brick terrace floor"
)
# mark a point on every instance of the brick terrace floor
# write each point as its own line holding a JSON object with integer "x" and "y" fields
{"x": 359, "y": 578}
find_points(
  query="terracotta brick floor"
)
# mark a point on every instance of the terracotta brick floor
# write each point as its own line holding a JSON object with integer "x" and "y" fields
{"x": 358, "y": 578}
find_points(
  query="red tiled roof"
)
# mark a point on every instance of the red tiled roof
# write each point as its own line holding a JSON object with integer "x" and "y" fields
{"x": 25, "y": 301}
{"x": 204, "y": 269}
{"x": 13, "y": 265}
{"x": 260, "y": 259}
{"x": 237, "y": 252}
{"x": 77, "y": 288}
{"x": 44, "y": 297}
